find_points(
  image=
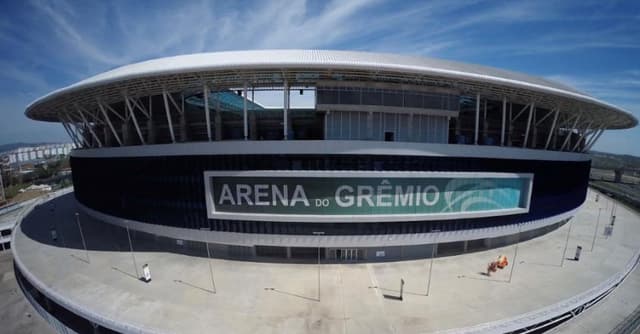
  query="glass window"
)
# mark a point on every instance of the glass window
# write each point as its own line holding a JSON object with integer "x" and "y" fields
{"x": 392, "y": 98}
{"x": 372, "y": 98}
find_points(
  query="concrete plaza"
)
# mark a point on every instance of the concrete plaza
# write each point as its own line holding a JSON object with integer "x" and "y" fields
{"x": 252, "y": 297}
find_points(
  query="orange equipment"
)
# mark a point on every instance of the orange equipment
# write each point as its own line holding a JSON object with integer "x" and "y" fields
{"x": 502, "y": 261}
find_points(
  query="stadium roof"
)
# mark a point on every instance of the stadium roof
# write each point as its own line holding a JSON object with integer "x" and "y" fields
{"x": 231, "y": 68}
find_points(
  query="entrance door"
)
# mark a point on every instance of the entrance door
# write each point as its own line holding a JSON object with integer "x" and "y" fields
{"x": 347, "y": 254}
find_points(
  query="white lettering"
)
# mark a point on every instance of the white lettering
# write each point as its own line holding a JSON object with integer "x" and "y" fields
{"x": 436, "y": 195}
{"x": 260, "y": 192}
{"x": 299, "y": 196}
{"x": 346, "y": 200}
{"x": 383, "y": 197}
{"x": 283, "y": 196}
{"x": 243, "y": 191}
{"x": 225, "y": 195}
{"x": 404, "y": 198}
{"x": 365, "y": 193}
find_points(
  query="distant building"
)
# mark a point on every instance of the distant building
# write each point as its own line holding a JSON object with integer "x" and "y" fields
{"x": 34, "y": 153}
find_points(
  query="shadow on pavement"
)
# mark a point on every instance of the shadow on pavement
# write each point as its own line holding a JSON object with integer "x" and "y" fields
{"x": 291, "y": 294}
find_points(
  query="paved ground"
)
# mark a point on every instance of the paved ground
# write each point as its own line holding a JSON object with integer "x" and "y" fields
{"x": 16, "y": 314}
{"x": 276, "y": 298}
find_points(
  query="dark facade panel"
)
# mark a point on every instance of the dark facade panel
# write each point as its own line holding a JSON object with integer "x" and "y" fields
{"x": 170, "y": 190}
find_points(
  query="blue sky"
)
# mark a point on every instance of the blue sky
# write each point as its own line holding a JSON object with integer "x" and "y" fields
{"x": 591, "y": 45}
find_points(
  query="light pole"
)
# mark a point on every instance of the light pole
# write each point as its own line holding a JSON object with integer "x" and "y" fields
{"x": 566, "y": 244}
{"x": 213, "y": 284}
{"x": 84, "y": 244}
{"x": 133, "y": 256}
{"x": 515, "y": 253}
{"x": 318, "y": 233}
{"x": 433, "y": 254}
{"x": 596, "y": 230}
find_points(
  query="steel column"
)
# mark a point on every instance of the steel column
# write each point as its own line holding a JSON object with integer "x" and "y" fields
{"x": 106, "y": 118}
{"x": 205, "y": 97}
{"x": 584, "y": 132}
{"x": 504, "y": 119}
{"x": 286, "y": 110}
{"x": 135, "y": 120}
{"x": 566, "y": 140}
{"x": 594, "y": 140}
{"x": 168, "y": 113}
{"x": 526, "y": 133}
{"x": 244, "y": 115}
{"x": 67, "y": 128}
{"x": 593, "y": 136}
{"x": 475, "y": 133}
{"x": 86, "y": 123}
{"x": 553, "y": 127}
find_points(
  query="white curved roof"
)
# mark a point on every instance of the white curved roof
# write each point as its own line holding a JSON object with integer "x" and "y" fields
{"x": 283, "y": 60}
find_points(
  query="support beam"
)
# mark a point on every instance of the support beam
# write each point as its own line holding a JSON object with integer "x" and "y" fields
{"x": 74, "y": 129}
{"x": 183, "y": 120}
{"x": 108, "y": 120}
{"x": 593, "y": 136}
{"x": 86, "y": 123}
{"x": 122, "y": 118}
{"x": 180, "y": 110}
{"x": 538, "y": 122}
{"x": 553, "y": 127}
{"x": 67, "y": 128}
{"x": 205, "y": 97}
{"x": 140, "y": 107}
{"x": 218, "y": 121}
{"x": 475, "y": 132}
{"x": 286, "y": 110}
{"x": 168, "y": 113}
{"x": 520, "y": 112}
{"x": 244, "y": 114}
{"x": 526, "y": 133}
{"x": 588, "y": 148}
{"x": 151, "y": 125}
{"x": 485, "y": 124}
{"x": 510, "y": 134}
{"x": 584, "y": 132}
{"x": 504, "y": 119}
{"x": 566, "y": 140}
{"x": 135, "y": 120}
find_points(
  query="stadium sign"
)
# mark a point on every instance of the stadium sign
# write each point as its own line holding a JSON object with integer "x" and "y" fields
{"x": 308, "y": 196}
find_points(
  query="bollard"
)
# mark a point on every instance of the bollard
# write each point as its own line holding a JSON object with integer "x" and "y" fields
{"x": 401, "y": 287}
{"x": 146, "y": 273}
{"x": 613, "y": 220}
{"x": 578, "y": 251}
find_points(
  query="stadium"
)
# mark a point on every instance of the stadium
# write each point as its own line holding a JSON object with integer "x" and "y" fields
{"x": 348, "y": 156}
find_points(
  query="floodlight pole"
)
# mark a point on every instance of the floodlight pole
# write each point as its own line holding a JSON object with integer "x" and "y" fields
{"x": 213, "y": 284}
{"x": 566, "y": 244}
{"x": 84, "y": 244}
{"x": 133, "y": 256}
{"x": 433, "y": 254}
{"x": 515, "y": 253}
{"x": 318, "y": 233}
{"x": 596, "y": 230}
